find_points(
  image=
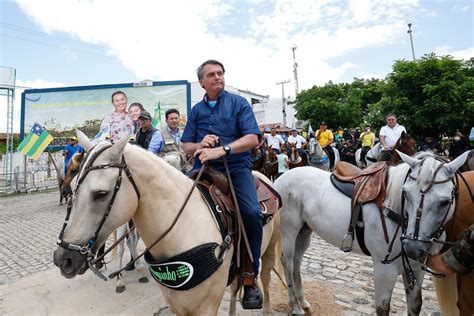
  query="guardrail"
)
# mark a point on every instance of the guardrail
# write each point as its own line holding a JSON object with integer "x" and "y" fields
{"x": 25, "y": 182}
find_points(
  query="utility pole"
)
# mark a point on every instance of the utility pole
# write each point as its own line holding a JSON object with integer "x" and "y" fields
{"x": 283, "y": 100}
{"x": 411, "y": 40}
{"x": 295, "y": 70}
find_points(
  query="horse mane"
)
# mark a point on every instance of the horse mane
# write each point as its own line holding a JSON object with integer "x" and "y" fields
{"x": 396, "y": 175}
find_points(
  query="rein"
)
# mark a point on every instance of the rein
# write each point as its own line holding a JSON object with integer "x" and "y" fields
{"x": 175, "y": 220}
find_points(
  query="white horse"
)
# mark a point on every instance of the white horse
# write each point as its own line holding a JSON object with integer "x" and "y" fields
{"x": 312, "y": 203}
{"x": 153, "y": 202}
{"x": 318, "y": 157}
{"x": 369, "y": 158}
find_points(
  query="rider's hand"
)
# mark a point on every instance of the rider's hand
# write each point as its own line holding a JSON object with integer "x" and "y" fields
{"x": 206, "y": 154}
{"x": 209, "y": 141}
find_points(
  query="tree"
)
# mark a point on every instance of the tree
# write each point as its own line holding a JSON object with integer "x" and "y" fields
{"x": 430, "y": 95}
{"x": 338, "y": 104}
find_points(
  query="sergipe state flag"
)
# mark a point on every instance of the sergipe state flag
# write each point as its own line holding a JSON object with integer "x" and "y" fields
{"x": 36, "y": 141}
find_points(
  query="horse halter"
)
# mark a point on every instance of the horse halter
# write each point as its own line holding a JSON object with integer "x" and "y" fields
{"x": 83, "y": 172}
{"x": 419, "y": 211}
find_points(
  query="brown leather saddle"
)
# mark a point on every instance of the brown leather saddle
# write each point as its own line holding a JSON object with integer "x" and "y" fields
{"x": 268, "y": 199}
{"x": 362, "y": 186}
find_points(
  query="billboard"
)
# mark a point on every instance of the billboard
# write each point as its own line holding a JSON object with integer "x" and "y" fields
{"x": 62, "y": 110}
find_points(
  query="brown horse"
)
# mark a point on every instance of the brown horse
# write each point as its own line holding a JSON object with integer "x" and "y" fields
{"x": 72, "y": 170}
{"x": 446, "y": 288}
{"x": 270, "y": 167}
{"x": 295, "y": 160}
{"x": 258, "y": 159}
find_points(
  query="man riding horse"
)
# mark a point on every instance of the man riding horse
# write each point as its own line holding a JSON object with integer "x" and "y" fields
{"x": 389, "y": 134}
{"x": 300, "y": 143}
{"x": 325, "y": 138}
{"x": 223, "y": 124}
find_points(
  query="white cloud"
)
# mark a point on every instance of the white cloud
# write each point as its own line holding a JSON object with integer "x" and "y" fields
{"x": 167, "y": 40}
{"x": 465, "y": 54}
{"x": 21, "y": 86}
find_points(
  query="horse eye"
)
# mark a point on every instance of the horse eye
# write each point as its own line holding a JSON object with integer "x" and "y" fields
{"x": 445, "y": 202}
{"x": 99, "y": 195}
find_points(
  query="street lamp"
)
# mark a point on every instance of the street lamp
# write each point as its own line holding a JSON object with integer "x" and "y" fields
{"x": 411, "y": 40}
{"x": 283, "y": 100}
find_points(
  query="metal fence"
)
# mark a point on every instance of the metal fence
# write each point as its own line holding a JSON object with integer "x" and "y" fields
{"x": 25, "y": 182}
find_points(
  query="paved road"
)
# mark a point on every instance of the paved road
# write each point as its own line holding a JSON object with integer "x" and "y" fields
{"x": 29, "y": 226}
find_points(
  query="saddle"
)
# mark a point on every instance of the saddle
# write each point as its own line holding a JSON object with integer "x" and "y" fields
{"x": 362, "y": 186}
{"x": 369, "y": 183}
{"x": 219, "y": 189}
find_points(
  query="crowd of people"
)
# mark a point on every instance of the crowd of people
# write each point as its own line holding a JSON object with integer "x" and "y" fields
{"x": 348, "y": 140}
{"x": 223, "y": 124}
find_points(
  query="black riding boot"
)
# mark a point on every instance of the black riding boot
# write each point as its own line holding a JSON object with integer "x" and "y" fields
{"x": 252, "y": 296}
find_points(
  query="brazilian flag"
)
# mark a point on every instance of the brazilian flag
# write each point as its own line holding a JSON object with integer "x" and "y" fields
{"x": 35, "y": 143}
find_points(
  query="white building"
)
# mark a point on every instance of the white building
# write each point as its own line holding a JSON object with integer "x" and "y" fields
{"x": 267, "y": 111}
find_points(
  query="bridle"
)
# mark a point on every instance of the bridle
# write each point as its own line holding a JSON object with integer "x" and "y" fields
{"x": 86, "y": 249}
{"x": 419, "y": 211}
{"x": 403, "y": 224}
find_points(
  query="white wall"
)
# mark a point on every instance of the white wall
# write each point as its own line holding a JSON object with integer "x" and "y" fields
{"x": 266, "y": 112}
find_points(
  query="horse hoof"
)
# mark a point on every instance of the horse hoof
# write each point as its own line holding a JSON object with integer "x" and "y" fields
{"x": 143, "y": 280}
{"x": 120, "y": 289}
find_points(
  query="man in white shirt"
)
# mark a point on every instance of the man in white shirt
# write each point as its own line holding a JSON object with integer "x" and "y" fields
{"x": 274, "y": 141}
{"x": 389, "y": 134}
{"x": 300, "y": 143}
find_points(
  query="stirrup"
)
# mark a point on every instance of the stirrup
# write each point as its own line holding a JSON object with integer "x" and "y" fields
{"x": 347, "y": 246}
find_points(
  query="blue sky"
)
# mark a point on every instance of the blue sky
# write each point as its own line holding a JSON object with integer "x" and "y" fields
{"x": 66, "y": 43}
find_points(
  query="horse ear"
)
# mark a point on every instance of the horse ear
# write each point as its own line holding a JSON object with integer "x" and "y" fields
{"x": 403, "y": 134}
{"x": 117, "y": 149}
{"x": 457, "y": 163}
{"x": 84, "y": 141}
{"x": 409, "y": 160}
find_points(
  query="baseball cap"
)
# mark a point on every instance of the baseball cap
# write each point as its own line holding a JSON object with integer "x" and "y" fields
{"x": 73, "y": 138}
{"x": 145, "y": 115}
{"x": 294, "y": 130}
{"x": 267, "y": 129}
{"x": 323, "y": 123}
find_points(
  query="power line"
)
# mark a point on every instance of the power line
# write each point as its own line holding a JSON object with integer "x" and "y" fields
{"x": 52, "y": 45}
{"x": 51, "y": 36}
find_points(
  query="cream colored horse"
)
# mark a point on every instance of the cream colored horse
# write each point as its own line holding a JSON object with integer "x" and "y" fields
{"x": 163, "y": 190}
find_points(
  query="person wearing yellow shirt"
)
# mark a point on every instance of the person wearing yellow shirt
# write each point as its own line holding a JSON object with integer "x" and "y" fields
{"x": 325, "y": 138}
{"x": 368, "y": 140}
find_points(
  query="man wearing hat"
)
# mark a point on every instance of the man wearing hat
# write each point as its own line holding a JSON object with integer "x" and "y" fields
{"x": 71, "y": 148}
{"x": 148, "y": 137}
{"x": 325, "y": 138}
{"x": 299, "y": 142}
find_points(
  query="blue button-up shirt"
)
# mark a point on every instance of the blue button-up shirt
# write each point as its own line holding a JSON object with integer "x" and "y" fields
{"x": 230, "y": 119}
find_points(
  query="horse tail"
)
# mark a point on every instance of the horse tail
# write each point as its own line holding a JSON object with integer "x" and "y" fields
{"x": 447, "y": 293}
{"x": 278, "y": 267}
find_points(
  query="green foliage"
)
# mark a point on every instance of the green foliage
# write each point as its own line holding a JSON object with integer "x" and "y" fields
{"x": 430, "y": 95}
{"x": 3, "y": 144}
